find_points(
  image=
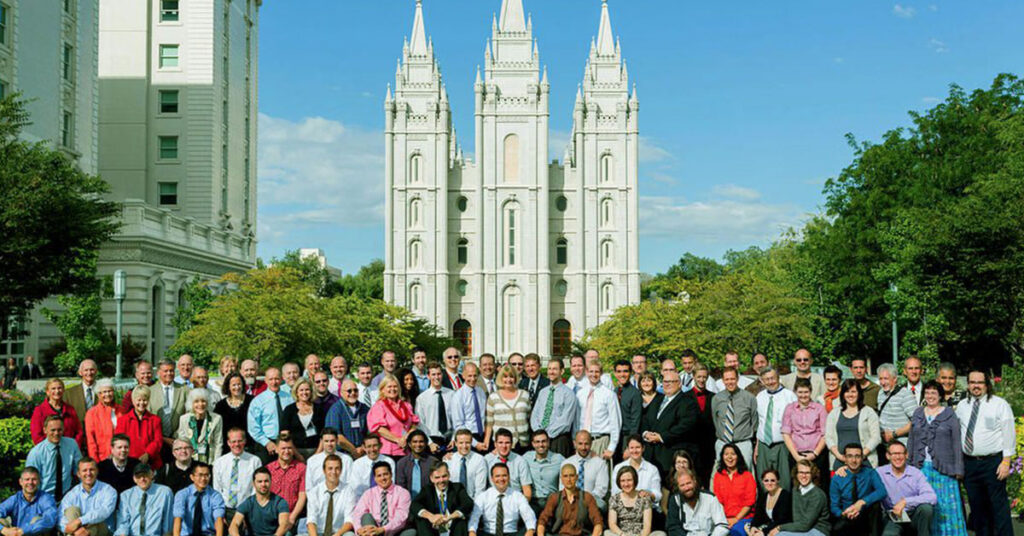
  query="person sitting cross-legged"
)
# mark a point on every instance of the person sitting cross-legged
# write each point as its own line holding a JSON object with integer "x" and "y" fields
{"x": 383, "y": 509}
{"x": 199, "y": 509}
{"x": 910, "y": 500}
{"x": 501, "y": 506}
{"x": 330, "y": 502}
{"x": 854, "y": 490}
{"x": 571, "y": 511}
{"x": 262, "y": 514}
{"x": 89, "y": 508}
{"x": 810, "y": 504}
{"x": 29, "y": 512}
{"x": 147, "y": 509}
{"x": 443, "y": 507}
{"x": 692, "y": 512}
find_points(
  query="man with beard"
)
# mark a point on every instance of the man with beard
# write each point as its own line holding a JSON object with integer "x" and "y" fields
{"x": 249, "y": 370}
{"x": 692, "y": 512}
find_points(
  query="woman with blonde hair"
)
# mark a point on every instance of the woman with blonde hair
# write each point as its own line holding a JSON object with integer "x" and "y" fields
{"x": 143, "y": 429}
{"x": 201, "y": 427}
{"x": 391, "y": 417}
{"x": 54, "y": 404}
{"x": 508, "y": 408}
{"x": 304, "y": 419}
{"x": 101, "y": 420}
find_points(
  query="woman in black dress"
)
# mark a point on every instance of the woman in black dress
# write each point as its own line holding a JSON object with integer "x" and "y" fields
{"x": 233, "y": 408}
{"x": 774, "y": 505}
{"x": 304, "y": 419}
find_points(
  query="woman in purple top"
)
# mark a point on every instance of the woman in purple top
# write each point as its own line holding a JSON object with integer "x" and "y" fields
{"x": 803, "y": 428}
{"x": 934, "y": 447}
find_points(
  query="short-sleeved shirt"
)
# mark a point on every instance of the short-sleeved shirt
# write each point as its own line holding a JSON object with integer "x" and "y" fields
{"x": 262, "y": 520}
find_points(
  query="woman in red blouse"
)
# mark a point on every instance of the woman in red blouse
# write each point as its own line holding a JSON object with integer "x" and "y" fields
{"x": 142, "y": 428}
{"x": 54, "y": 405}
{"x": 392, "y": 418}
{"x": 735, "y": 488}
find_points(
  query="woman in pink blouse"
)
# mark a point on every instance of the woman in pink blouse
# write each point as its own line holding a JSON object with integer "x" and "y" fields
{"x": 392, "y": 418}
{"x": 803, "y": 429}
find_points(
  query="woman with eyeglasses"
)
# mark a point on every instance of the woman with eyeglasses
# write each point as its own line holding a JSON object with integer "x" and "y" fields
{"x": 681, "y": 462}
{"x": 233, "y": 408}
{"x": 774, "y": 505}
{"x": 852, "y": 422}
{"x": 810, "y": 505}
{"x": 935, "y": 448}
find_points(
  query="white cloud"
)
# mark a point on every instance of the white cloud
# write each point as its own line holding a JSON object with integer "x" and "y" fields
{"x": 938, "y": 46}
{"x": 903, "y": 12}
{"x": 933, "y": 7}
{"x": 651, "y": 153}
{"x": 717, "y": 220}
{"x": 732, "y": 191}
{"x": 838, "y": 59}
{"x": 931, "y": 100}
{"x": 558, "y": 140}
{"x": 318, "y": 172}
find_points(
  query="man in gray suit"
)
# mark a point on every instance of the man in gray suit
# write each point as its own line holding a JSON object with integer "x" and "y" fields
{"x": 167, "y": 400}
{"x": 630, "y": 402}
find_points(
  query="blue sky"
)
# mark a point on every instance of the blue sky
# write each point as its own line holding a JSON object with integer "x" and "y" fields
{"x": 743, "y": 105}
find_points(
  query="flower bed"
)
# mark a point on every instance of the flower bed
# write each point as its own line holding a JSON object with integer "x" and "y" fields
{"x": 1015, "y": 484}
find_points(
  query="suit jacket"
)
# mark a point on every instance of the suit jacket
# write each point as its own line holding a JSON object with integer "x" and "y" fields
{"x": 75, "y": 397}
{"x": 30, "y": 372}
{"x": 677, "y": 426}
{"x": 631, "y": 403}
{"x": 458, "y": 501}
{"x": 447, "y": 382}
{"x": 403, "y": 472}
{"x": 157, "y": 403}
{"x": 542, "y": 382}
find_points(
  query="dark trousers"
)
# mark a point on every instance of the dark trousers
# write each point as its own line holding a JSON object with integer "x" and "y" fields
{"x": 562, "y": 444}
{"x": 862, "y": 525}
{"x": 986, "y": 494}
{"x": 920, "y": 522}
{"x": 520, "y": 532}
{"x": 261, "y": 452}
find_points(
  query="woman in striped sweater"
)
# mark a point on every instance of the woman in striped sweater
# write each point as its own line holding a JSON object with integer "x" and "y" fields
{"x": 508, "y": 407}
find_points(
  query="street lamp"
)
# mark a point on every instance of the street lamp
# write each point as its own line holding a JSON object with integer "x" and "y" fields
{"x": 120, "y": 281}
{"x": 895, "y": 330}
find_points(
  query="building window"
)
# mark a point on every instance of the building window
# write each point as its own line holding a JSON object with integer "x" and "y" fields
{"x": 606, "y": 213}
{"x": 414, "y": 254}
{"x": 169, "y": 101}
{"x": 168, "y": 56}
{"x": 156, "y": 320}
{"x": 4, "y": 11}
{"x": 415, "y": 297}
{"x": 462, "y": 251}
{"x": 512, "y": 317}
{"x": 462, "y": 332}
{"x": 416, "y": 169}
{"x": 168, "y": 193}
{"x": 12, "y": 338}
{"x": 607, "y": 297}
{"x": 67, "y": 62}
{"x": 562, "y": 288}
{"x": 510, "y": 221}
{"x": 462, "y": 203}
{"x": 169, "y": 11}
{"x": 607, "y": 253}
{"x": 462, "y": 287}
{"x": 415, "y": 207}
{"x": 168, "y": 147}
{"x": 562, "y": 252}
{"x": 3, "y": 89}
{"x": 561, "y": 203}
{"x": 511, "y": 159}
{"x": 66, "y": 132}
{"x": 606, "y": 168}
{"x": 561, "y": 338}
{"x": 68, "y": 6}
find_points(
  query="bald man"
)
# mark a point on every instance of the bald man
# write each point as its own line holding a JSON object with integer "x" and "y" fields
{"x": 671, "y": 426}
{"x": 802, "y": 361}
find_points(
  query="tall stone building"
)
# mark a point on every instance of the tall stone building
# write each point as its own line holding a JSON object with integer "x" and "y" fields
{"x": 508, "y": 252}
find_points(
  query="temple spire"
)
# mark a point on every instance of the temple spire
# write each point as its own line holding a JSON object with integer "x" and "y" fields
{"x": 418, "y": 45}
{"x": 605, "y": 40}
{"x": 512, "y": 19}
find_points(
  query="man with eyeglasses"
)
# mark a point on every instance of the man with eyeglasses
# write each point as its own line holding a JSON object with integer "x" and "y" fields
{"x": 671, "y": 426}
{"x": 854, "y": 492}
{"x": 452, "y": 359}
{"x": 515, "y": 360}
{"x": 802, "y": 362}
{"x": 907, "y": 493}
{"x": 176, "y": 475}
{"x": 348, "y": 417}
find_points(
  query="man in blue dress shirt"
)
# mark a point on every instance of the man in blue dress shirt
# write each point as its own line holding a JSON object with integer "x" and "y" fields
{"x": 199, "y": 509}
{"x": 55, "y": 457}
{"x": 855, "y": 491}
{"x": 147, "y": 508}
{"x": 31, "y": 512}
{"x": 265, "y": 416}
{"x": 88, "y": 509}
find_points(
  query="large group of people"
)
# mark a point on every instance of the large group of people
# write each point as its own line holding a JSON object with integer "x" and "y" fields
{"x": 473, "y": 448}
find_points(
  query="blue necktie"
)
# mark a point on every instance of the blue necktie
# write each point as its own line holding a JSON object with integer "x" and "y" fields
{"x": 579, "y": 479}
{"x": 476, "y": 413}
{"x": 462, "y": 473}
{"x": 416, "y": 476}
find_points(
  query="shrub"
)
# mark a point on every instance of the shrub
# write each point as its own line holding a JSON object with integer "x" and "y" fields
{"x": 14, "y": 403}
{"x": 15, "y": 442}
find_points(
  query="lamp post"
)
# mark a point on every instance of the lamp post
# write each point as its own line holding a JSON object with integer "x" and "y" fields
{"x": 120, "y": 281}
{"x": 895, "y": 330}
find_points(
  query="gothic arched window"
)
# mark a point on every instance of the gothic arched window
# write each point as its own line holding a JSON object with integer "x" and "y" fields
{"x": 416, "y": 169}
{"x": 415, "y": 297}
{"x": 562, "y": 252}
{"x": 462, "y": 332}
{"x": 607, "y": 163}
{"x": 561, "y": 338}
{"x": 415, "y": 208}
{"x": 606, "y": 212}
{"x": 462, "y": 251}
{"x": 607, "y": 254}
{"x": 511, "y": 159}
{"x": 414, "y": 254}
{"x": 607, "y": 297}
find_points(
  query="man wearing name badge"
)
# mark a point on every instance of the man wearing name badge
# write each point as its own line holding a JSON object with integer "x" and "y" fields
{"x": 735, "y": 414}
{"x": 328, "y": 512}
{"x": 466, "y": 466}
{"x": 556, "y": 411}
{"x": 434, "y": 407}
{"x": 488, "y": 371}
{"x": 339, "y": 373}
{"x": 265, "y": 416}
{"x": 348, "y": 417}
{"x": 730, "y": 360}
{"x": 89, "y": 508}
{"x": 233, "y": 472}
{"x": 147, "y": 509}
{"x": 802, "y": 361}
{"x": 383, "y": 509}
{"x": 771, "y": 451}
{"x": 469, "y": 405}
{"x": 502, "y": 506}
{"x": 83, "y": 396}
{"x": 263, "y": 513}
{"x": 167, "y": 400}
{"x": 591, "y": 470}
{"x": 56, "y": 458}
{"x": 198, "y": 509}
{"x": 532, "y": 381}
{"x": 599, "y": 413}
{"x": 519, "y": 472}
{"x": 544, "y": 467}
{"x": 989, "y": 441}
{"x": 30, "y": 511}
{"x": 442, "y": 508}
{"x": 671, "y": 426}
{"x": 315, "y": 463}
{"x": 912, "y": 369}
{"x": 452, "y": 360}
{"x": 361, "y": 477}
{"x": 412, "y": 471}
{"x": 419, "y": 368}
{"x": 908, "y": 494}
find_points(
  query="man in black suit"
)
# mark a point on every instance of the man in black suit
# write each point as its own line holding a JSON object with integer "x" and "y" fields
{"x": 419, "y": 456}
{"x": 671, "y": 426}
{"x": 442, "y": 506}
{"x": 705, "y": 424}
{"x": 631, "y": 403}
{"x": 532, "y": 381}
{"x": 30, "y": 371}
{"x": 452, "y": 379}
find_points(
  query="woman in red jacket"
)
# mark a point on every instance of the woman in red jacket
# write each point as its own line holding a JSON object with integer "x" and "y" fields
{"x": 54, "y": 405}
{"x": 142, "y": 428}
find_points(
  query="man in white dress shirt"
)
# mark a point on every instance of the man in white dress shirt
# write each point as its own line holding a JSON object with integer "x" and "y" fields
{"x": 434, "y": 408}
{"x": 315, "y": 463}
{"x": 577, "y": 374}
{"x": 467, "y": 467}
{"x": 330, "y": 502}
{"x": 599, "y": 413}
{"x": 488, "y": 371}
{"x": 469, "y": 406}
{"x": 648, "y": 479}
{"x": 232, "y": 472}
{"x": 912, "y": 370}
{"x": 503, "y": 505}
{"x": 520, "y": 476}
{"x": 770, "y": 451}
{"x": 361, "y": 475}
{"x": 591, "y": 470}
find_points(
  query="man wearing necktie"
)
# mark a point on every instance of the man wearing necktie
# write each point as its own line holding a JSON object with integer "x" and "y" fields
{"x": 83, "y": 396}
{"x": 444, "y": 506}
{"x": 671, "y": 427}
{"x": 264, "y": 419}
{"x": 147, "y": 508}
{"x": 532, "y": 381}
{"x": 771, "y": 451}
{"x": 55, "y": 457}
{"x": 384, "y": 506}
{"x": 498, "y": 510}
{"x": 199, "y": 509}
{"x": 854, "y": 492}
{"x": 413, "y": 468}
{"x": 432, "y": 407}
{"x": 556, "y": 411}
{"x": 469, "y": 405}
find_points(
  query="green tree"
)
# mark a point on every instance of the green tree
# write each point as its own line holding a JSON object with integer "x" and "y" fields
{"x": 53, "y": 218}
{"x": 197, "y": 298}
{"x": 367, "y": 283}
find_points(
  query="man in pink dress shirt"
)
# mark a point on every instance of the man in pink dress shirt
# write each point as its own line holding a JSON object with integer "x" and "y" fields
{"x": 383, "y": 509}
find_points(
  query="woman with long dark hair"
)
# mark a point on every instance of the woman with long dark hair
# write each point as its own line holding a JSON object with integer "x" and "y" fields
{"x": 735, "y": 488}
{"x": 852, "y": 422}
{"x": 233, "y": 408}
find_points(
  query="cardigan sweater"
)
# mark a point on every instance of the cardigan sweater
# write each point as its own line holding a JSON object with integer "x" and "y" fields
{"x": 868, "y": 427}
{"x": 810, "y": 511}
{"x": 942, "y": 436}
